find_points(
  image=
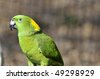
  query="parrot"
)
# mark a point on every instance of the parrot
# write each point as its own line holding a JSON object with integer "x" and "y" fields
{"x": 38, "y": 47}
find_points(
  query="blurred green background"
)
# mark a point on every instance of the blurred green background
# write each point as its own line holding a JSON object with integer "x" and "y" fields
{"x": 74, "y": 25}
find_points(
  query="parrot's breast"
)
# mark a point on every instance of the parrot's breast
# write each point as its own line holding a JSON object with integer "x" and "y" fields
{"x": 26, "y": 43}
{"x": 29, "y": 46}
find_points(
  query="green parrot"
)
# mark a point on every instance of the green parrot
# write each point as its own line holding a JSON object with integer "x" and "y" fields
{"x": 39, "y": 48}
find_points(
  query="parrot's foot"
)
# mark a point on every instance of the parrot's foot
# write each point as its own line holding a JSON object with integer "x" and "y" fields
{"x": 30, "y": 63}
{"x": 50, "y": 62}
{"x": 44, "y": 63}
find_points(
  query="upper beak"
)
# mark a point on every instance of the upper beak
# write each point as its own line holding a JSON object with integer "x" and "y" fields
{"x": 12, "y": 25}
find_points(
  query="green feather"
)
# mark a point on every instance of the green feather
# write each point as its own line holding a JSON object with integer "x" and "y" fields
{"x": 39, "y": 48}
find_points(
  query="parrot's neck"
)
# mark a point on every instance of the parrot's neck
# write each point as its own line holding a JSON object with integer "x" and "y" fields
{"x": 27, "y": 33}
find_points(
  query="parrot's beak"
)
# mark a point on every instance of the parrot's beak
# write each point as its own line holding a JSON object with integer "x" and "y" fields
{"x": 12, "y": 25}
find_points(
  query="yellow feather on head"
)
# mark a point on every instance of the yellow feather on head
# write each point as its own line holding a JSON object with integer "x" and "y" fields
{"x": 35, "y": 25}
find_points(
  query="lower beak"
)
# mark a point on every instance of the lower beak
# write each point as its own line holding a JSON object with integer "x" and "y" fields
{"x": 12, "y": 25}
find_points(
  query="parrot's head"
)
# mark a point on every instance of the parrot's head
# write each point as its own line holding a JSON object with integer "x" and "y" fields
{"x": 24, "y": 24}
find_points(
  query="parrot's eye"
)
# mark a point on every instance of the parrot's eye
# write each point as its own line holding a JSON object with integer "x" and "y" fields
{"x": 20, "y": 20}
